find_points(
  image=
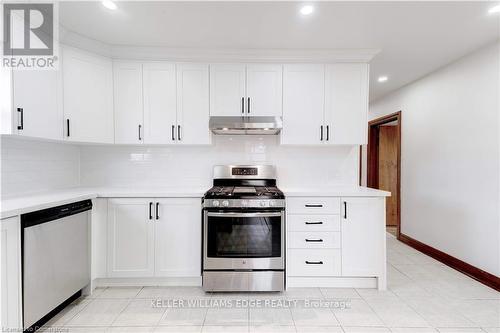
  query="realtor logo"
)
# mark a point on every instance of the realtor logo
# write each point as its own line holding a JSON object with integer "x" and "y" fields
{"x": 29, "y": 35}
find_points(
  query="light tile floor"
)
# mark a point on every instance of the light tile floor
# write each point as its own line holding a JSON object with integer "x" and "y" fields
{"x": 423, "y": 296}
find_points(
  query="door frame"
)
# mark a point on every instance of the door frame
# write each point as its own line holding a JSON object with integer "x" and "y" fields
{"x": 372, "y": 157}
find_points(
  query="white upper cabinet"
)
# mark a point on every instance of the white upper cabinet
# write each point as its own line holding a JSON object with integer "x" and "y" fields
{"x": 192, "y": 104}
{"x": 363, "y": 233}
{"x": 160, "y": 122}
{"x": 88, "y": 97}
{"x": 128, "y": 101}
{"x": 227, "y": 90}
{"x": 264, "y": 89}
{"x": 37, "y": 103}
{"x": 346, "y": 110}
{"x": 303, "y": 104}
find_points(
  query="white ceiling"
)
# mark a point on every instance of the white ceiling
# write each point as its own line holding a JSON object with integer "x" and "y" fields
{"x": 415, "y": 38}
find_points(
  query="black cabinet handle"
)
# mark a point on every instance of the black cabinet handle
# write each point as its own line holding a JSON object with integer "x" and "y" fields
{"x": 243, "y": 105}
{"x": 248, "y": 105}
{"x": 140, "y": 126}
{"x": 179, "y": 133}
{"x": 67, "y": 127}
{"x": 157, "y": 210}
{"x": 313, "y": 206}
{"x": 327, "y": 132}
{"x": 321, "y": 131}
{"x": 308, "y": 223}
{"x": 21, "y": 125}
{"x": 314, "y": 240}
{"x": 150, "y": 210}
{"x": 173, "y": 132}
{"x": 314, "y": 262}
{"x": 345, "y": 210}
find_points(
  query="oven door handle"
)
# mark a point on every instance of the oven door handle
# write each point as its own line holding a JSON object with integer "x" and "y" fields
{"x": 234, "y": 214}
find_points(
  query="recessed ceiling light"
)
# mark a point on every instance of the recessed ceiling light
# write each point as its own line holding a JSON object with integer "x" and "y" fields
{"x": 382, "y": 78}
{"x": 494, "y": 10}
{"x": 307, "y": 10}
{"x": 109, "y": 4}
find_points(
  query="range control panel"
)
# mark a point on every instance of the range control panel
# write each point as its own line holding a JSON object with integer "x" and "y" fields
{"x": 244, "y": 171}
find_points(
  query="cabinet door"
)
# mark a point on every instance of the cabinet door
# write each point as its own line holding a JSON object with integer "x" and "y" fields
{"x": 127, "y": 86}
{"x": 303, "y": 104}
{"x": 130, "y": 238}
{"x": 264, "y": 90}
{"x": 178, "y": 237}
{"x": 363, "y": 236}
{"x": 159, "y": 103}
{"x": 227, "y": 90}
{"x": 192, "y": 104}
{"x": 346, "y": 109}
{"x": 88, "y": 97}
{"x": 37, "y": 96}
{"x": 11, "y": 306}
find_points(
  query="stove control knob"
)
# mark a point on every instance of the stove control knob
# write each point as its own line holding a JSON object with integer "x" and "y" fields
{"x": 244, "y": 203}
{"x": 225, "y": 203}
{"x": 215, "y": 203}
{"x": 263, "y": 203}
{"x": 272, "y": 203}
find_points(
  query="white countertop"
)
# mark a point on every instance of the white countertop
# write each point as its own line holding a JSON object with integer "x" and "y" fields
{"x": 37, "y": 201}
{"x": 29, "y": 203}
{"x": 333, "y": 191}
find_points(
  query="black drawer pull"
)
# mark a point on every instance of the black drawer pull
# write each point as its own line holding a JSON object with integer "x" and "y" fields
{"x": 313, "y": 206}
{"x": 314, "y": 262}
{"x": 314, "y": 240}
{"x": 314, "y": 223}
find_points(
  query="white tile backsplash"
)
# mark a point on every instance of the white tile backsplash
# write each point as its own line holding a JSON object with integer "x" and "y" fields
{"x": 29, "y": 166}
{"x": 191, "y": 166}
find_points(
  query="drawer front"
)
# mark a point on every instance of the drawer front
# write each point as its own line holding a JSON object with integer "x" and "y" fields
{"x": 313, "y": 205}
{"x": 313, "y": 240}
{"x": 313, "y": 222}
{"x": 314, "y": 262}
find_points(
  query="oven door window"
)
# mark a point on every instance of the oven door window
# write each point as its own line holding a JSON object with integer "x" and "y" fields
{"x": 243, "y": 236}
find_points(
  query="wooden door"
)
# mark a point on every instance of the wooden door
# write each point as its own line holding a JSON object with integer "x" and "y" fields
{"x": 388, "y": 170}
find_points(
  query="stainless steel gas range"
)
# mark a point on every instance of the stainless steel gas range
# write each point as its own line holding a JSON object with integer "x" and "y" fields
{"x": 244, "y": 230}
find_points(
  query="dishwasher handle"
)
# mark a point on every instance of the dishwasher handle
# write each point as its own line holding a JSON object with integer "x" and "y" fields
{"x": 54, "y": 213}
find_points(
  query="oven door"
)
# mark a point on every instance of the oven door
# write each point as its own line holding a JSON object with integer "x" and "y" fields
{"x": 243, "y": 241}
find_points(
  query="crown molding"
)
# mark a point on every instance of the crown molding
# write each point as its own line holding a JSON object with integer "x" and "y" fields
{"x": 216, "y": 55}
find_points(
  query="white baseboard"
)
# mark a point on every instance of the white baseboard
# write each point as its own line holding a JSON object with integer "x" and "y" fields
{"x": 331, "y": 282}
{"x": 148, "y": 282}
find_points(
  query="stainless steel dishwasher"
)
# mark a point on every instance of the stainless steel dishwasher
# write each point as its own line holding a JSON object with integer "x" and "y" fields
{"x": 55, "y": 254}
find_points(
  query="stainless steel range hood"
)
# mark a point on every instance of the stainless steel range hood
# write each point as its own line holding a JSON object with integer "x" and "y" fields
{"x": 251, "y": 125}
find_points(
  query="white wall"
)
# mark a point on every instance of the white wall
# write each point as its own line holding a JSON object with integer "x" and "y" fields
{"x": 29, "y": 166}
{"x": 450, "y": 158}
{"x": 191, "y": 166}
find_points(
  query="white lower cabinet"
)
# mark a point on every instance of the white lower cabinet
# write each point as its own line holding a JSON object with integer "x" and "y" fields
{"x": 178, "y": 237}
{"x": 154, "y": 237}
{"x": 333, "y": 240}
{"x": 11, "y": 296}
{"x": 363, "y": 236}
{"x": 130, "y": 238}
